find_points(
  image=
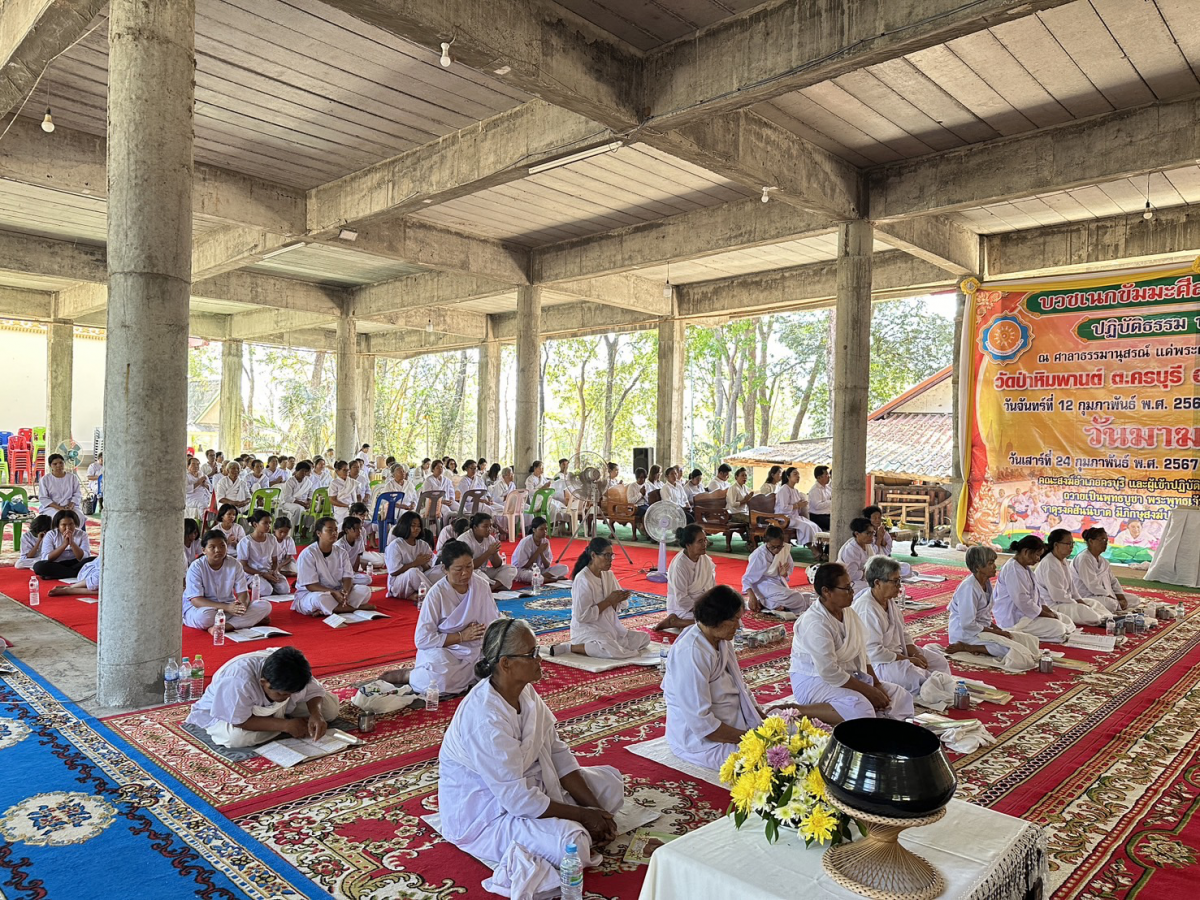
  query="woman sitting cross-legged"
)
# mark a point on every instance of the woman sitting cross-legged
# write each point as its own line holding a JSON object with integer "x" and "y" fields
{"x": 971, "y": 628}
{"x": 409, "y": 559}
{"x": 65, "y": 547}
{"x": 690, "y": 574}
{"x": 595, "y": 598}
{"x": 258, "y": 696}
{"x": 709, "y": 707}
{"x": 324, "y": 582}
{"x": 450, "y": 627}
{"x": 1019, "y": 606}
{"x": 259, "y": 555}
{"x": 829, "y": 656}
{"x": 1057, "y": 586}
{"x": 217, "y": 582}
{"x": 533, "y": 549}
{"x": 485, "y": 547}
{"x": 897, "y": 659}
{"x": 856, "y": 551}
{"x": 509, "y": 787}
{"x": 768, "y": 572}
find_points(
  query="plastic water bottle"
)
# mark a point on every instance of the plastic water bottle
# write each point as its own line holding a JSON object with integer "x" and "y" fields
{"x": 1139, "y": 623}
{"x": 431, "y": 698}
{"x": 1180, "y": 612}
{"x": 35, "y": 593}
{"x": 198, "y": 675}
{"x": 219, "y": 629}
{"x": 962, "y": 696}
{"x": 536, "y": 580}
{"x": 503, "y": 558}
{"x": 171, "y": 682}
{"x": 185, "y": 680}
{"x": 370, "y": 570}
{"x": 422, "y": 590}
{"x": 663, "y": 652}
{"x": 255, "y": 589}
{"x": 570, "y": 874}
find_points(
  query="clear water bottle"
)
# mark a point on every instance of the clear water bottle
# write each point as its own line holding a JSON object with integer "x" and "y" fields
{"x": 962, "y": 696}
{"x": 171, "y": 682}
{"x": 370, "y": 570}
{"x": 570, "y": 874}
{"x": 185, "y": 680}
{"x": 503, "y": 558}
{"x": 1180, "y": 612}
{"x": 663, "y": 653}
{"x": 1139, "y": 624}
{"x": 198, "y": 675}
{"x": 219, "y": 629}
{"x": 35, "y": 591}
{"x": 536, "y": 580}
{"x": 422, "y": 590}
{"x": 255, "y": 588}
{"x": 431, "y": 698}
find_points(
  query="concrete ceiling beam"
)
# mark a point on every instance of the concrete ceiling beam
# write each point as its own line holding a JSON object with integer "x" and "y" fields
{"x": 1092, "y": 151}
{"x": 20, "y": 303}
{"x": 415, "y": 293}
{"x": 81, "y": 300}
{"x": 694, "y": 235}
{"x": 233, "y": 247}
{"x": 44, "y": 256}
{"x": 936, "y": 239}
{"x": 248, "y": 326}
{"x": 623, "y": 291}
{"x": 268, "y": 290}
{"x": 32, "y": 34}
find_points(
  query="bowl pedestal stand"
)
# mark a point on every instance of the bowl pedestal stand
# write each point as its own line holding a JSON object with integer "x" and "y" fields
{"x": 878, "y": 866}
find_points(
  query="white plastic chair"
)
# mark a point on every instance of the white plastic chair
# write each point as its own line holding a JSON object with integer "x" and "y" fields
{"x": 513, "y": 514}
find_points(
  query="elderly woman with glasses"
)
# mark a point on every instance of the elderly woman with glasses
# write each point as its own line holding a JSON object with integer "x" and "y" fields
{"x": 596, "y": 597}
{"x": 450, "y": 627}
{"x": 896, "y": 658}
{"x": 1058, "y": 589}
{"x": 829, "y": 656}
{"x": 509, "y": 787}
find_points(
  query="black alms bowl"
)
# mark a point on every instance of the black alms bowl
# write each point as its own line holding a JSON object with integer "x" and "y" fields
{"x": 887, "y": 768}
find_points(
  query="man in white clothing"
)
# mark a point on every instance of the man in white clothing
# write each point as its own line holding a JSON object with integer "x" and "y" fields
{"x": 722, "y": 481}
{"x": 324, "y": 581}
{"x": 216, "y": 582}
{"x": 296, "y": 495}
{"x": 820, "y": 497}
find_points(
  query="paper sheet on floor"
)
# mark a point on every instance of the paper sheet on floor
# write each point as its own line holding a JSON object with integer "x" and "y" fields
{"x": 593, "y": 664}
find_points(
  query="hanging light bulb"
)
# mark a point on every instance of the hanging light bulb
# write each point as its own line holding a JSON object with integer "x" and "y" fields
{"x": 766, "y": 195}
{"x": 445, "y": 60}
{"x": 668, "y": 293}
{"x": 429, "y": 326}
{"x": 1148, "y": 214}
{"x": 48, "y": 122}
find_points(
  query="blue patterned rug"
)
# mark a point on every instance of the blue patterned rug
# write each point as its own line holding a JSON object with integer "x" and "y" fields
{"x": 551, "y": 610}
{"x": 83, "y": 814}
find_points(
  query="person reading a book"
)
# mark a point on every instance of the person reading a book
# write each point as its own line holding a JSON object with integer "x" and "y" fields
{"x": 450, "y": 627}
{"x": 766, "y": 582}
{"x": 258, "y": 696}
{"x": 509, "y": 787}
{"x": 596, "y": 596}
{"x": 324, "y": 580}
{"x": 216, "y": 581}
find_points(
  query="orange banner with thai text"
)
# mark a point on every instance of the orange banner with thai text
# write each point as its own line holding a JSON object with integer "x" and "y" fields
{"x": 1082, "y": 405}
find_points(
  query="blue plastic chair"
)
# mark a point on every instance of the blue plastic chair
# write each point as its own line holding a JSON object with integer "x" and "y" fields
{"x": 391, "y": 515}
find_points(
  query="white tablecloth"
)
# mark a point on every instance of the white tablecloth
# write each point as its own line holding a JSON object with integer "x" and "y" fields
{"x": 1177, "y": 559}
{"x": 978, "y": 851}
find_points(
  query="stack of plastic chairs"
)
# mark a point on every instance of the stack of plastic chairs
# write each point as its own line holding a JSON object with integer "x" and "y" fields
{"x": 19, "y": 464}
{"x": 37, "y": 448}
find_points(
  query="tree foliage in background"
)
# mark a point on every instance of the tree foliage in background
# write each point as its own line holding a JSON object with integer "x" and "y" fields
{"x": 425, "y": 406}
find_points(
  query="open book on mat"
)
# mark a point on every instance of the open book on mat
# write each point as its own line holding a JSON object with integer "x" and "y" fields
{"x": 335, "y": 620}
{"x": 290, "y": 751}
{"x": 257, "y": 633}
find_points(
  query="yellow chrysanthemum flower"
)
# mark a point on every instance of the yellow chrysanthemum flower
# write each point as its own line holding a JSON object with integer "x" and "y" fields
{"x": 743, "y": 792}
{"x": 815, "y": 784}
{"x": 762, "y": 779}
{"x": 752, "y": 749}
{"x": 788, "y": 771}
{"x": 774, "y": 728}
{"x": 797, "y": 743}
{"x": 819, "y": 825}
{"x": 729, "y": 767}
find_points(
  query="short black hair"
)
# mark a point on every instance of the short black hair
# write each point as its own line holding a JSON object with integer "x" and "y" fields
{"x": 820, "y": 470}
{"x": 304, "y": 466}
{"x": 718, "y": 605}
{"x": 724, "y": 467}
{"x": 281, "y": 522}
{"x": 191, "y": 527}
{"x": 212, "y": 535}
{"x": 287, "y": 670}
{"x": 860, "y": 525}
{"x": 453, "y": 550}
{"x": 54, "y": 456}
{"x": 258, "y": 515}
{"x": 224, "y": 508}
{"x": 64, "y": 514}
{"x": 827, "y": 576}
{"x": 871, "y": 510}
{"x": 41, "y": 524}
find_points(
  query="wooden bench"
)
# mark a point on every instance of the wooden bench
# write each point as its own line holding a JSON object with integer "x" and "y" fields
{"x": 762, "y": 516}
{"x": 711, "y": 514}
{"x": 621, "y": 512}
{"x": 911, "y": 513}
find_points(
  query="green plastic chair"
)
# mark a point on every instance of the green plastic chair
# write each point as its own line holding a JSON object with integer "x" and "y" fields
{"x": 265, "y": 498}
{"x": 38, "y": 444}
{"x": 319, "y": 506}
{"x": 4, "y": 467}
{"x": 13, "y": 492}
{"x": 539, "y": 503}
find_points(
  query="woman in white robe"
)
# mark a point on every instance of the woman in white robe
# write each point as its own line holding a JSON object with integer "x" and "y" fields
{"x": 922, "y": 671}
{"x": 227, "y": 523}
{"x": 768, "y": 573}
{"x": 533, "y": 549}
{"x": 771, "y": 484}
{"x": 829, "y": 657}
{"x": 596, "y": 598}
{"x": 258, "y": 696}
{"x": 450, "y": 627}
{"x": 654, "y": 481}
{"x": 324, "y": 580}
{"x": 856, "y": 551}
{"x": 1018, "y": 604}
{"x": 793, "y": 503}
{"x": 737, "y": 496}
{"x": 690, "y": 574}
{"x": 1094, "y": 578}
{"x": 59, "y": 489}
{"x": 508, "y": 784}
{"x": 709, "y": 706}
{"x": 473, "y": 480}
{"x": 410, "y": 559}
{"x": 65, "y": 547}
{"x": 883, "y": 541}
{"x": 673, "y": 491}
{"x": 197, "y": 496}
{"x": 485, "y": 547}
{"x": 438, "y": 480}
{"x": 397, "y": 482}
{"x": 230, "y": 488}
{"x": 971, "y": 627}
{"x": 535, "y": 481}
{"x": 1057, "y": 587}
{"x": 343, "y": 492}
{"x": 215, "y": 582}
{"x": 258, "y": 552}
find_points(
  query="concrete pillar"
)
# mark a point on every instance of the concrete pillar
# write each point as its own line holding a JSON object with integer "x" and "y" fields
{"x": 230, "y": 405}
{"x": 366, "y": 402}
{"x": 151, "y": 68}
{"x": 529, "y": 350}
{"x": 487, "y": 413}
{"x": 672, "y": 351}
{"x": 851, "y": 376}
{"x": 60, "y": 372}
{"x": 956, "y": 462}
{"x": 346, "y": 425}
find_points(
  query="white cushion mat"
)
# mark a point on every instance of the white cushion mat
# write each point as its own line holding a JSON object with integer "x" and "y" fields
{"x": 592, "y": 664}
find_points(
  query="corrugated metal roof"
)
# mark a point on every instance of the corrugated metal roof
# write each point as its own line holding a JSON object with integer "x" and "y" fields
{"x": 903, "y": 445}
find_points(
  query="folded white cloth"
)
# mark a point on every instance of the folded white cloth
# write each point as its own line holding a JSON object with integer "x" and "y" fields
{"x": 381, "y": 697}
{"x": 522, "y": 875}
{"x": 967, "y": 737}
